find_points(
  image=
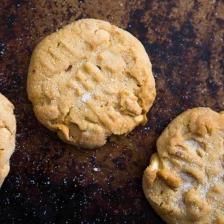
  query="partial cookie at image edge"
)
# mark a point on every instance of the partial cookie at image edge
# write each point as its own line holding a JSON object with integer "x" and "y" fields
{"x": 7, "y": 136}
{"x": 184, "y": 180}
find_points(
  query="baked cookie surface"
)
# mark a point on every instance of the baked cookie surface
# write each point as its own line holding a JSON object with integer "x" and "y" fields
{"x": 184, "y": 181}
{"x": 7, "y": 136}
{"x": 90, "y": 81}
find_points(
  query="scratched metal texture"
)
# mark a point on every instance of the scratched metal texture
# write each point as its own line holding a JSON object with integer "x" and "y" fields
{"x": 52, "y": 182}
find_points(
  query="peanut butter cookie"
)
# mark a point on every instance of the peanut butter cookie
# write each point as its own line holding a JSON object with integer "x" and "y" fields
{"x": 90, "y": 81}
{"x": 184, "y": 182}
{"x": 7, "y": 136}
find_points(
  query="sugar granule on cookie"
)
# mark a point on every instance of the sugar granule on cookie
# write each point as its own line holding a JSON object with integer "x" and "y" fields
{"x": 184, "y": 181}
{"x": 7, "y": 136}
{"x": 90, "y": 81}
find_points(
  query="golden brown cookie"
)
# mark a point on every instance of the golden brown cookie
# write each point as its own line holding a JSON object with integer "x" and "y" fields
{"x": 90, "y": 81}
{"x": 184, "y": 181}
{"x": 7, "y": 136}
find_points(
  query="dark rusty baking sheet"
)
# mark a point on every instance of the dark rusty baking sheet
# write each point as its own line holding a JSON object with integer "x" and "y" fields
{"x": 51, "y": 182}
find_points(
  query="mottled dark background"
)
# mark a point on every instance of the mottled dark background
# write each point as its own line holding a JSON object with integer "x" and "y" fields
{"x": 51, "y": 182}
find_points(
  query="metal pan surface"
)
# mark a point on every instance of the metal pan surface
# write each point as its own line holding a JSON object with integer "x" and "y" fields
{"x": 52, "y": 182}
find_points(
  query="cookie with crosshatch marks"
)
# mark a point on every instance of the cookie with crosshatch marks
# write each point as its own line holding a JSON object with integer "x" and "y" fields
{"x": 184, "y": 181}
{"x": 7, "y": 136}
{"x": 90, "y": 81}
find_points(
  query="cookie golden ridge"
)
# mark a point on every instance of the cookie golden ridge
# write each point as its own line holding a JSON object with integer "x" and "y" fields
{"x": 7, "y": 136}
{"x": 184, "y": 181}
{"x": 90, "y": 81}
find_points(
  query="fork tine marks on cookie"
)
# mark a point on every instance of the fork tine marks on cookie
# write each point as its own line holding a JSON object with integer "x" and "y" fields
{"x": 196, "y": 154}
